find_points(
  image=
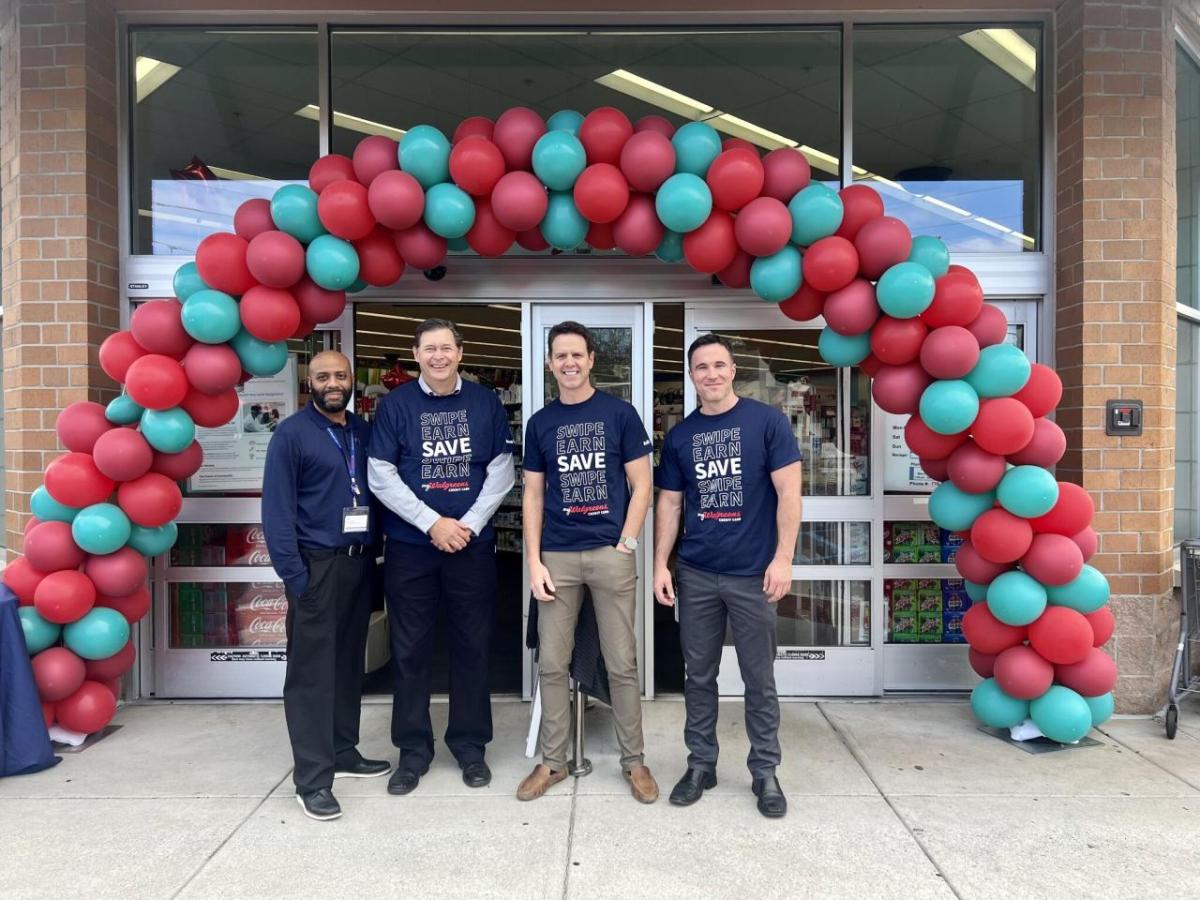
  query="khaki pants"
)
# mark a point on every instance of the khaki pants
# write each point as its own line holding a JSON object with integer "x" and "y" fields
{"x": 611, "y": 576}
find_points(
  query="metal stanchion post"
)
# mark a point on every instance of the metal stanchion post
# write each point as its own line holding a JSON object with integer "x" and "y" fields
{"x": 579, "y": 765}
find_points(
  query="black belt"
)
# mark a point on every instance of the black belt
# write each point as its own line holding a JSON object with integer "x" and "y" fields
{"x": 329, "y": 552}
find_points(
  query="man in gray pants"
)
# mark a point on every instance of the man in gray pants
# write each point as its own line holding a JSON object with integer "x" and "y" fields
{"x": 733, "y": 467}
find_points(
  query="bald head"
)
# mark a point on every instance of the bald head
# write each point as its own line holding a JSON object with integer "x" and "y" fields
{"x": 331, "y": 381}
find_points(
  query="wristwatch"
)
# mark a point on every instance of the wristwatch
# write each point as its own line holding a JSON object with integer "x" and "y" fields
{"x": 629, "y": 542}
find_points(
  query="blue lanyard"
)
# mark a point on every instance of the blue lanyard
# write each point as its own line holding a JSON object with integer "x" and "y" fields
{"x": 349, "y": 459}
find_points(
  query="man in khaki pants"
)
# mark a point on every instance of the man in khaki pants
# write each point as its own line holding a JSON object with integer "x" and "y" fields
{"x": 587, "y": 488}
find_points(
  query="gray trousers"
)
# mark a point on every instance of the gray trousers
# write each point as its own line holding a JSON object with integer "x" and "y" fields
{"x": 706, "y": 602}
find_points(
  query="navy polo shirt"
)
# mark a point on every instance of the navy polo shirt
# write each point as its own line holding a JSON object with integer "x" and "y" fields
{"x": 306, "y": 485}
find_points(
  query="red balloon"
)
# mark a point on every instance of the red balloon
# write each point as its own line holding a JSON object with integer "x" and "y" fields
{"x": 533, "y": 240}
{"x": 1061, "y": 635}
{"x": 421, "y": 248}
{"x": 48, "y": 714}
{"x": 324, "y": 172}
{"x": 934, "y": 468}
{"x": 638, "y": 230}
{"x": 221, "y": 261}
{"x": 64, "y": 596}
{"x": 1053, "y": 559}
{"x": 156, "y": 382}
{"x": 344, "y": 211}
{"x": 600, "y": 236}
{"x": 80, "y": 425}
{"x": 735, "y": 178}
{"x": 74, "y": 480}
{"x": 88, "y": 710}
{"x": 1088, "y": 542}
{"x": 601, "y": 193}
{"x": 1044, "y": 449}
{"x": 925, "y": 442}
{"x": 1092, "y": 676}
{"x": 949, "y": 352}
{"x": 303, "y": 330}
{"x": 22, "y": 579}
{"x": 763, "y": 228}
{"x": 1001, "y": 537}
{"x": 150, "y": 501}
{"x": 156, "y": 326}
{"x": 871, "y": 365}
{"x": 852, "y": 309}
{"x": 58, "y": 673}
{"x": 733, "y": 143}
{"x": 133, "y": 607}
{"x": 983, "y": 663}
{"x": 803, "y": 306}
{"x": 117, "y": 574}
{"x": 476, "y": 164}
{"x": 1070, "y": 515}
{"x": 49, "y": 546}
{"x": 276, "y": 258}
{"x": 179, "y": 466}
{"x": 379, "y": 261}
{"x": 898, "y": 390}
{"x": 975, "y": 568}
{"x": 1003, "y": 426}
{"x": 957, "y": 300}
{"x": 211, "y": 410}
{"x": 860, "y": 204}
{"x": 253, "y": 217}
{"x": 113, "y": 666}
{"x": 990, "y": 327}
{"x": 737, "y": 273}
{"x": 1043, "y": 390}
{"x": 118, "y": 353}
{"x": 603, "y": 134}
{"x": 974, "y": 470}
{"x": 212, "y": 368}
{"x": 481, "y": 126}
{"x": 956, "y": 269}
{"x": 373, "y": 156}
{"x": 316, "y": 303}
{"x": 830, "y": 263}
{"x": 269, "y": 314}
{"x": 515, "y": 133}
{"x": 1022, "y": 673}
{"x": 655, "y": 123}
{"x": 881, "y": 243}
{"x": 647, "y": 160}
{"x": 1103, "y": 624}
{"x": 987, "y": 634}
{"x": 712, "y": 247}
{"x": 785, "y": 172}
{"x": 897, "y": 341}
{"x": 123, "y": 455}
{"x": 487, "y": 236}
{"x": 396, "y": 199}
{"x": 520, "y": 201}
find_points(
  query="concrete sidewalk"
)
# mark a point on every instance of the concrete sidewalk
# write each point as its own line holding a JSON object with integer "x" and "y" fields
{"x": 887, "y": 799}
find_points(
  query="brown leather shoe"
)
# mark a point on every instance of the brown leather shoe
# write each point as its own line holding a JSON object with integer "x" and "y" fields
{"x": 642, "y": 784}
{"x": 539, "y": 781}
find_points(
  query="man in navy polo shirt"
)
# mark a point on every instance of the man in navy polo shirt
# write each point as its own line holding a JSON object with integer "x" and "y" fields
{"x": 440, "y": 463}
{"x": 581, "y": 522}
{"x": 733, "y": 467}
{"x": 320, "y": 532}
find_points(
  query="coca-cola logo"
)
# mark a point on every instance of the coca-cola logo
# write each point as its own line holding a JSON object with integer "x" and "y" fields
{"x": 267, "y": 625}
{"x": 254, "y": 535}
{"x": 259, "y": 603}
{"x": 258, "y": 558}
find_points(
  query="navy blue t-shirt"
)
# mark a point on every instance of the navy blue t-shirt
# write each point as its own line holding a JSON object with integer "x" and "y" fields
{"x": 722, "y": 464}
{"x": 582, "y": 448}
{"x": 441, "y": 448}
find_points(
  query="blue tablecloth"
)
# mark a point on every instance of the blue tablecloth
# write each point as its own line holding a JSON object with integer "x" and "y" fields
{"x": 24, "y": 744}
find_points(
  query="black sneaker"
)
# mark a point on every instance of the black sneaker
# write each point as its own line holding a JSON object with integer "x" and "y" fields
{"x": 691, "y": 787}
{"x": 361, "y": 767}
{"x": 320, "y": 805}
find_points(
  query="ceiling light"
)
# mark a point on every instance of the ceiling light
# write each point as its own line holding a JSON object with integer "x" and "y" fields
{"x": 151, "y": 74}
{"x": 1006, "y": 49}
{"x": 655, "y": 94}
{"x": 352, "y": 123}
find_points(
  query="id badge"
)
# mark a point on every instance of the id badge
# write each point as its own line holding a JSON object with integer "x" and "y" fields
{"x": 355, "y": 519}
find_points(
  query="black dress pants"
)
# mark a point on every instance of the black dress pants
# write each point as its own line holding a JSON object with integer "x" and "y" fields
{"x": 326, "y": 643}
{"x": 419, "y": 582}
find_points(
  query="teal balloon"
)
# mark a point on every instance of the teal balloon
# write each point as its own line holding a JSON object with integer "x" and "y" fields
{"x": 564, "y": 226}
{"x": 977, "y": 592}
{"x": 559, "y": 159}
{"x": 168, "y": 430}
{"x": 683, "y": 202}
{"x": 949, "y": 407}
{"x": 1101, "y": 707}
{"x": 332, "y": 263}
{"x": 696, "y": 145}
{"x": 46, "y": 509}
{"x": 995, "y": 708}
{"x": 211, "y": 317}
{"x": 153, "y": 541}
{"x": 1027, "y": 491}
{"x": 449, "y": 210}
{"x": 670, "y": 248}
{"x": 39, "y": 633}
{"x": 565, "y": 120}
{"x": 458, "y": 245}
{"x": 1016, "y": 598}
{"x": 123, "y": 410}
{"x": 905, "y": 290}
{"x": 776, "y": 277}
{"x": 816, "y": 213}
{"x": 294, "y": 210}
{"x": 1002, "y": 370}
{"x": 1061, "y": 714}
{"x": 956, "y": 510}
{"x": 98, "y": 635}
{"x": 843, "y": 350}
{"x": 262, "y": 358}
{"x": 931, "y": 253}
{"x": 425, "y": 155}
{"x": 1086, "y": 593}
{"x": 101, "y": 528}
{"x": 187, "y": 281}
{"x": 357, "y": 287}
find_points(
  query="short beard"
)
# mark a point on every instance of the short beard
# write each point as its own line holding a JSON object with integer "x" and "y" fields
{"x": 319, "y": 399}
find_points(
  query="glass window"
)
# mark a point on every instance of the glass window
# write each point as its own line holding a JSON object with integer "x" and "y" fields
{"x": 947, "y": 126}
{"x": 233, "y": 614}
{"x": 833, "y": 544}
{"x": 220, "y": 545}
{"x": 925, "y": 610}
{"x": 1187, "y": 175}
{"x": 1187, "y": 503}
{"x": 823, "y": 614}
{"x": 218, "y": 116}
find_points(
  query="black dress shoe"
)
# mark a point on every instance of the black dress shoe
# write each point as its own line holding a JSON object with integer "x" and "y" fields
{"x": 477, "y": 774}
{"x": 771, "y": 802}
{"x": 361, "y": 767}
{"x": 405, "y": 779}
{"x": 320, "y": 805}
{"x": 691, "y": 787}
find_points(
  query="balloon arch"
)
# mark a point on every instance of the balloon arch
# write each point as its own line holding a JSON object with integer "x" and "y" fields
{"x": 893, "y": 304}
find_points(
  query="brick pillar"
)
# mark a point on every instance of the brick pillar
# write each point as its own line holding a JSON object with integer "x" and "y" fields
{"x": 1115, "y": 328}
{"x": 58, "y": 162}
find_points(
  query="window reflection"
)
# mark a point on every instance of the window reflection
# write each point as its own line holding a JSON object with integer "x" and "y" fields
{"x": 823, "y": 614}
